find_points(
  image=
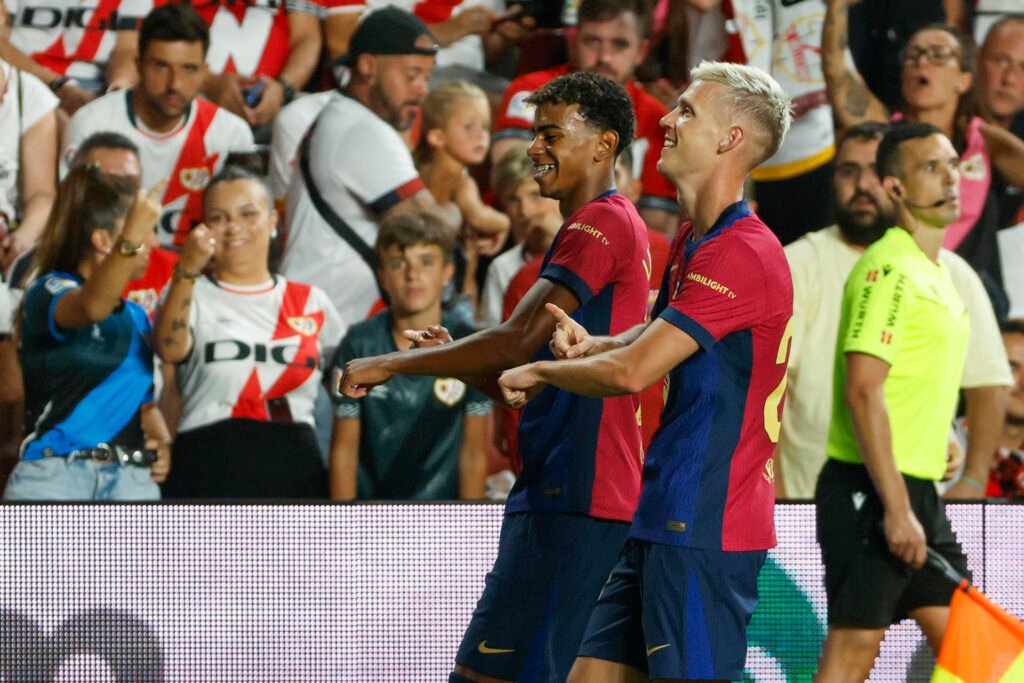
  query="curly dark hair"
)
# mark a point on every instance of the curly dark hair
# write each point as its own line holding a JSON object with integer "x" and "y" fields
{"x": 603, "y": 103}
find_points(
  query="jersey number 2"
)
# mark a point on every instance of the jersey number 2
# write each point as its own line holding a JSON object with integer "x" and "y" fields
{"x": 772, "y": 419}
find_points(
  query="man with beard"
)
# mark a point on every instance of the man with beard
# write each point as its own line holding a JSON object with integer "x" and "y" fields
{"x": 354, "y": 169}
{"x": 820, "y": 262}
{"x": 181, "y": 137}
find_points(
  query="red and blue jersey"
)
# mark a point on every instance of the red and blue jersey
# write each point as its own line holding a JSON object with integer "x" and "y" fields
{"x": 709, "y": 479}
{"x": 582, "y": 455}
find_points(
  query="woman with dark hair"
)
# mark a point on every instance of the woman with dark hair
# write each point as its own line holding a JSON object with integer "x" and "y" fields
{"x": 248, "y": 348}
{"x": 94, "y": 432}
{"x": 937, "y": 80}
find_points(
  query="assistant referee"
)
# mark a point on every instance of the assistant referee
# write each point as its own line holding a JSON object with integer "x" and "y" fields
{"x": 900, "y": 353}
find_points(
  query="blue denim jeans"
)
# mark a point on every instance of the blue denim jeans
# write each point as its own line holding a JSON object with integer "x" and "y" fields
{"x": 85, "y": 479}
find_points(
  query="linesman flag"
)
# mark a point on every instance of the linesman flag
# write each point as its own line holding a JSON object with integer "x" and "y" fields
{"x": 983, "y": 643}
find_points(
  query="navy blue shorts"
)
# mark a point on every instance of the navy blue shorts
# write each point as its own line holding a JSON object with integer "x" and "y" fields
{"x": 538, "y": 598}
{"x": 676, "y": 612}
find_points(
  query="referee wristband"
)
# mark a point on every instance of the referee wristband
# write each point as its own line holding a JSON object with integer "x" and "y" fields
{"x": 972, "y": 482}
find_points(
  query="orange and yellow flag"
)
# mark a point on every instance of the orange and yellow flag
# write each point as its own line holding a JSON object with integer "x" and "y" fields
{"x": 983, "y": 643}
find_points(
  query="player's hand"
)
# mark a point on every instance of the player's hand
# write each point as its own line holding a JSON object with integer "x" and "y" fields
{"x": 361, "y": 375}
{"x": 906, "y": 538}
{"x": 140, "y": 222}
{"x": 434, "y": 335}
{"x": 955, "y": 457}
{"x": 161, "y": 467}
{"x": 519, "y": 385}
{"x": 198, "y": 249}
{"x": 570, "y": 340}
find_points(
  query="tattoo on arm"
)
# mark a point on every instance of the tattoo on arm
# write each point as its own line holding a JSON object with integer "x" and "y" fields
{"x": 186, "y": 302}
{"x": 169, "y": 341}
{"x": 178, "y": 324}
{"x": 857, "y": 96}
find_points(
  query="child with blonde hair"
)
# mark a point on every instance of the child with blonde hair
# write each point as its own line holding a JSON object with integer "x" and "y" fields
{"x": 455, "y": 136}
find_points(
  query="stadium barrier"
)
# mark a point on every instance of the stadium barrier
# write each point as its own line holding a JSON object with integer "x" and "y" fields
{"x": 365, "y": 593}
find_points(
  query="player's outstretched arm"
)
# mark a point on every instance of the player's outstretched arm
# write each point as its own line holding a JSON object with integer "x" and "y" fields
{"x": 864, "y": 394}
{"x": 626, "y": 370}
{"x": 486, "y": 352}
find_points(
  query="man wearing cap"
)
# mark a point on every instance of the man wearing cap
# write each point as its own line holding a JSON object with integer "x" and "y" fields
{"x": 353, "y": 167}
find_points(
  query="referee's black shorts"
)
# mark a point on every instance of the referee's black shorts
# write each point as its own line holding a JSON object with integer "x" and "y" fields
{"x": 865, "y": 584}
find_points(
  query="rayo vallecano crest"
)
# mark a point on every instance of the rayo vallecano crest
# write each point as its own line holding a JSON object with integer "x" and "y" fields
{"x": 449, "y": 390}
{"x": 306, "y": 325}
{"x": 194, "y": 179}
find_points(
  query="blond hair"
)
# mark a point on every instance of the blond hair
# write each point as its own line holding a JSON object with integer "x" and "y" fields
{"x": 438, "y": 108}
{"x": 754, "y": 95}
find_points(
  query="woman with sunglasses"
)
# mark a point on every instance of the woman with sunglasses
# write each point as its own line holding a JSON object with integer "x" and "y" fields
{"x": 937, "y": 81}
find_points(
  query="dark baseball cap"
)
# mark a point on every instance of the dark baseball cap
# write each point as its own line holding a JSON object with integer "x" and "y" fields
{"x": 389, "y": 31}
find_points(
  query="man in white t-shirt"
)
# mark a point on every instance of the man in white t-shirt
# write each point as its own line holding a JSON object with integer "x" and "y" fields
{"x": 820, "y": 262}
{"x": 290, "y": 127}
{"x": 361, "y": 170}
{"x": 181, "y": 138}
{"x": 28, "y": 161}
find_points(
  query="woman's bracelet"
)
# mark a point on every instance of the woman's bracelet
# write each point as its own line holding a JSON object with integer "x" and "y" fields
{"x": 182, "y": 274}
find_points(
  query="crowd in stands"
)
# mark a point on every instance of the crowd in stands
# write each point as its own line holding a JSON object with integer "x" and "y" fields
{"x": 208, "y": 208}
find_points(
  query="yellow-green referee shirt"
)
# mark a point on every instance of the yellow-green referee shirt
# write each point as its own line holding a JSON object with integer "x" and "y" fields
{"x": 902, "y": 307}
